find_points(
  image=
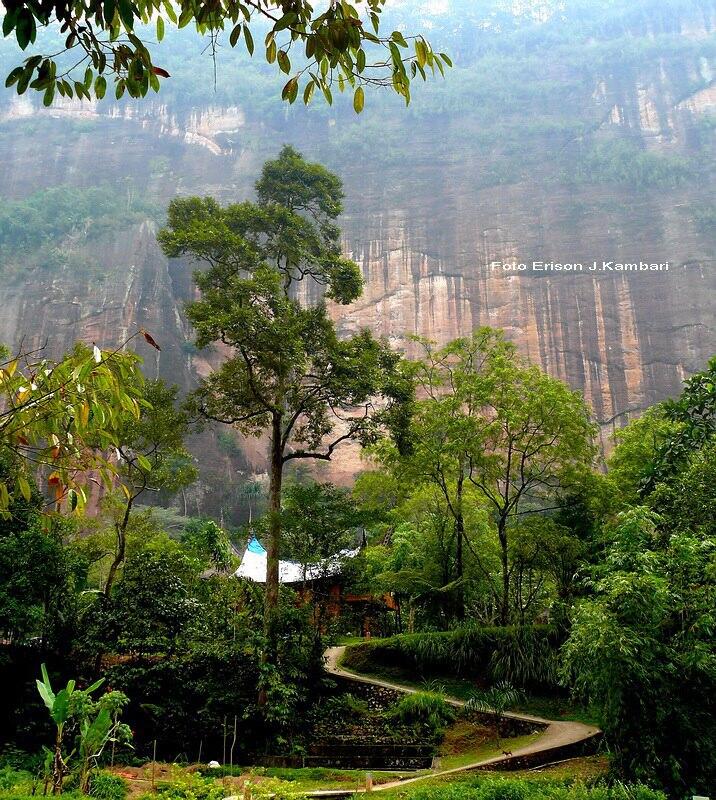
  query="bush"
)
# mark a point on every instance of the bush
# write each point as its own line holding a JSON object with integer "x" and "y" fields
{"x": 105, "y": 786}
{"x": 11, "y": 778}
{"x": 424, "y": 709}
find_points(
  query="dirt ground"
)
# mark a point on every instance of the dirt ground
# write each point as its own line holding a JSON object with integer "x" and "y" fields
{"x": 141, "y": 779}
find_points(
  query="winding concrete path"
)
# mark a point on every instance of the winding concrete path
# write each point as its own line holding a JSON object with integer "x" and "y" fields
{"x": 557, "y": 734}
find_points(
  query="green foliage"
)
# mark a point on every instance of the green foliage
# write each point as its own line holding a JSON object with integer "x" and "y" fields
{"x": 694, "y": 414}
{"x": 12, "y": 778}
{"x": 641, "y": 648}
{"x": 346, "y": 705}
{"x": 96, "y": 722}
{"x": 47, "y": 216}
{"x": 528, "y": 660}
{"x": 39, "y": 577}
{"x": 472, "y": 651}
{"x": 205, "y": 540}
{"x": 341, "y": 46}
{"x": 494, "y": 788}
{"x": 66, "y": 415}
{"x": 426, "y": 710}
{"x": 106, "y": 786}
{"x": 152, "y": 606}
{"x": 623, "y": 162}
{"x": 319, "y": 520}
{"x": 491, "y": 423}
{"x": 289, "y": 375}
{"x": 191, "y": 787}
{"x": 496, "y": 699}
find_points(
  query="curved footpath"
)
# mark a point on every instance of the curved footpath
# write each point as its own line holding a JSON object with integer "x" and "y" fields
{"x": 558, "y": 736}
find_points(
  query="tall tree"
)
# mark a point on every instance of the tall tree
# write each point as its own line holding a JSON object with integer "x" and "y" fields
{"x": 108, "y": 38}
{"x": 287, "y": 374}
{"x": 488, "y": 420}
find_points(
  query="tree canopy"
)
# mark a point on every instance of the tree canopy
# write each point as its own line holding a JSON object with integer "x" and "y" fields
{"x": 488, "y": 422}
{"x": 341, "y": 47}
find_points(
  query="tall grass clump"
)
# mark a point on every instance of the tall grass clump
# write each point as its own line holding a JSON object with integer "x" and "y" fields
{"x": 424, "y": 710}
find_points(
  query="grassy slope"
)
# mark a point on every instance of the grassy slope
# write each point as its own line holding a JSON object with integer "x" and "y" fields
{"x": 460, "y": 688}
{"x": 585, "y": 770}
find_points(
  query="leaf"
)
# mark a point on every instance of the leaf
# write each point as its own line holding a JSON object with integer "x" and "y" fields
{"x": 161, "y": 72}
{"x": 308, "y": 92}
{"x": 24, "y": 487}
{"x": 97, "y": 353}
{"x": 13, "y": 77}
{"x": 150, "y": 339}
{"x": 25, "y": 29}
{"x": 144, "y": 462}
{"x": 94, "y": 686}
{"x": 100, "y": 87}
{"x": 421, "y": 52}
{"x": 285, "y": 22}
{"x": 284, "y": 62}
{"x": 249, "y": 39}
{"x": 126, "y": 14}
{"x": 160, "y": 28}
{"x": 234, "y": 35}
{"x": 47, "y": 697}
{"x": 358, "y": 100}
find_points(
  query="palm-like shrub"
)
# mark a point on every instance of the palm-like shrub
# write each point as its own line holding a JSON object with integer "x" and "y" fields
{"x": 495, "y": 700}
{"x": 426, "y": 710}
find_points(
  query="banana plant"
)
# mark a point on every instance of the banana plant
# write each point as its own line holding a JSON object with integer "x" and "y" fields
{"x": 60, "y": 706}
{"x": 94, "y": 735}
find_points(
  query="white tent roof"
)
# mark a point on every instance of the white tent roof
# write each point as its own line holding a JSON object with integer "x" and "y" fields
{"x": 253, "y": 566}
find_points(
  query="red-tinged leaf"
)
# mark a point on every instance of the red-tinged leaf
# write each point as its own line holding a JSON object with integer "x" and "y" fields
{"x": 150, "y": 340}
{"x": 54, "y": 479}
{"x": 161, "y": 72}
{"x": 22, "y": 440}
{"x": 55, "y": 452}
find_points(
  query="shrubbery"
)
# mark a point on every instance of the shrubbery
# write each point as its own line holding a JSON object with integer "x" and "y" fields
{"x": 522, "y": 656}
{"x": 425, "y": 710}
{"x": 105, "y": 786}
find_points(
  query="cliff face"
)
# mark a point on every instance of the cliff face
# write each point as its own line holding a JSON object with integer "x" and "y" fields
{"x": 442, "y": 203}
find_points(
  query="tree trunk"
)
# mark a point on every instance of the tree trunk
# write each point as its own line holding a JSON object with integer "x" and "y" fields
{"x": 273, "y": 545}
{"x": 459, "y": 539}
{"x": 119, "y": 555}
{"x": 59, "y": 769}
{"x": 505, "y": 599}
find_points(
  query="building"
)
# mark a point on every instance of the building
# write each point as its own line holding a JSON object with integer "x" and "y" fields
{"x": 321, "y": 584}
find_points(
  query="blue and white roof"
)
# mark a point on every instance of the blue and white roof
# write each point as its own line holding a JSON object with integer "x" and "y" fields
{"x": 253, "y": 565}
